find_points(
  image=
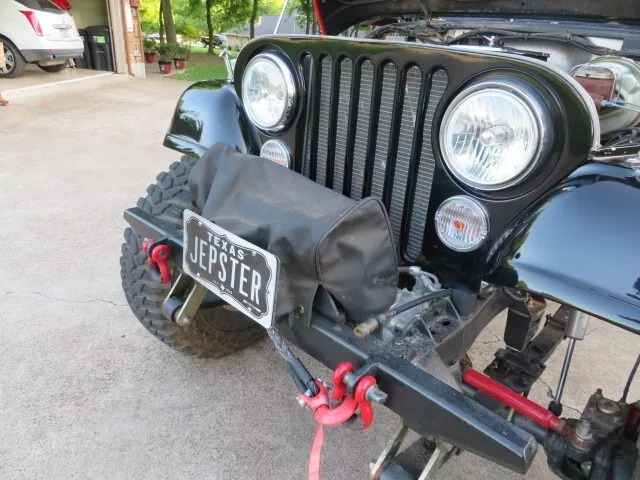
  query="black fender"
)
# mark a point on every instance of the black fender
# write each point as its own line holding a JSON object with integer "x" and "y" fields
{"x": 580, "y": 245}
{"x": 207, "y": 113}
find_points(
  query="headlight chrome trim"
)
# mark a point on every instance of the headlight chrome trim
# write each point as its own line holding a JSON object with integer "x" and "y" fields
{"x": 290, "y": 85}
{"x": 531, "y": 98}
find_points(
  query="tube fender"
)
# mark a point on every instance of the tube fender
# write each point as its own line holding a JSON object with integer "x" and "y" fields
{"x": 207, "y": 113}
{"x": 579, "y": 246}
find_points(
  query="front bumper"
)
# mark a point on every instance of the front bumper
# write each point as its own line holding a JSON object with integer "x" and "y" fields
{"x": 429, "y": 406}
{"x": 51, "y": 54}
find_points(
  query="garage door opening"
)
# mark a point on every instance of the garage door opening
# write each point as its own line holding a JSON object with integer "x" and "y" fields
{"x": 39, "y": 40}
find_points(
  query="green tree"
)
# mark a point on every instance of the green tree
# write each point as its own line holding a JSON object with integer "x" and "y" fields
{"x": 169, "y": 24}
{"x": 228, "y": 14}
{"x": 252, "y": 21}
{"x": 209, "y": 6}
{"x": 185, "y": 12}
{"x": 161, "y": 22}
{"x": 305, "y": 15}
{"x": 204, "y": 16}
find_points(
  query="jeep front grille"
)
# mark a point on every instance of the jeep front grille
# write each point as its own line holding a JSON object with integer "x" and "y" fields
{"x": 368, "y": 133}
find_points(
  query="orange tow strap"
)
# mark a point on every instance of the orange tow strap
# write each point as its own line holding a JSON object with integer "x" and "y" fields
{"x": 326, "y": 416}
{"x": 314, "y": 457}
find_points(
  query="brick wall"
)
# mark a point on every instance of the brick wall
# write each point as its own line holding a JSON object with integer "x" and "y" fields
{"x": 133, "y": 37}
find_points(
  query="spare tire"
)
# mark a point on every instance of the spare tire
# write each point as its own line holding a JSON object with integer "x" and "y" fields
{"x": 215, "y": 331}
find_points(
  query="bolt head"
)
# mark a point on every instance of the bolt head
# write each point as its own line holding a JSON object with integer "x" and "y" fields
{"x": 375, "y": 395}
{"x": 608, "y": 407}
{"x": 583, "y": 429}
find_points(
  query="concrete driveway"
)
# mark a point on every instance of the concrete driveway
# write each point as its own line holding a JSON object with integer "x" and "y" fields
{"x": 87, "y": 393}
{"x": 35, "y": 80}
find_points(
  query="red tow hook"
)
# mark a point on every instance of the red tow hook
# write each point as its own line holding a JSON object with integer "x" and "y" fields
{"x": 324, "y": 414}
{"x": 158, "y": 257}
{"x": 513, "y": 399}
{"x": 337, "y": 378}
{"x": 328, "y": 417}
{"x": 366, "y": 410}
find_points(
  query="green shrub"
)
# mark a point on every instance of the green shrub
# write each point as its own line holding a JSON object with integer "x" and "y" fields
{"x": 175, "y": 50}
{"x": 150, "y": 45}
{"x": 164, "y": 52}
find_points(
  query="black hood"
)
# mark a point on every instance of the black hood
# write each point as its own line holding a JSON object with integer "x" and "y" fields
{"x": 341, "y": 14}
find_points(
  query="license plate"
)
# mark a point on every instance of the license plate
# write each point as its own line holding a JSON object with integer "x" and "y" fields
{"x": 239, "y": 272}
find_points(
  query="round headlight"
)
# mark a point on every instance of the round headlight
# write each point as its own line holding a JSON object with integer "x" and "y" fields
{"x": 268, "y": 91}
{"x": 462, "y": 223}
{"x": 492, "y": 134}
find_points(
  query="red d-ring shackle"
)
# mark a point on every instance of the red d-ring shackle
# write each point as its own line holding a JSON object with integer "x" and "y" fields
{"x": 327, "y": 416}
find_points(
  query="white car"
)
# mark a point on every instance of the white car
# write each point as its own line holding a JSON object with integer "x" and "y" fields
{"x": 37, "y": 31}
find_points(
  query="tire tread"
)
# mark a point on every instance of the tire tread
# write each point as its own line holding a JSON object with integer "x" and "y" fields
{"x": 167, "y": 199}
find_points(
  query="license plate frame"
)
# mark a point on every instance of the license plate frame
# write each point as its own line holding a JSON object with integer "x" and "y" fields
{"x": 231, "y": 267}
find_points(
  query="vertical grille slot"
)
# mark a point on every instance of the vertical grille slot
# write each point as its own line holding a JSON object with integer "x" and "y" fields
{"x": 424, "y": 179}
{"x": 385, "y": 116}
{"x": 342, "y": 126}
{"x": 405, "y": 147}
{"x": 372, "y": 137}
{"x": 326, "y": 75}
{"x": 362, "y": 129}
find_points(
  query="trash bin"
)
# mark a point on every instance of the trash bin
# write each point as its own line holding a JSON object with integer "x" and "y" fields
{"x": 85, "y": 61}
{"x": 100, "y": 46}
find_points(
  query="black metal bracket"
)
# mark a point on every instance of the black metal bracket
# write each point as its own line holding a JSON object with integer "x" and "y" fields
{"x": 519, "y": 370}
{"x": 147, "y": 226}
{"x": 429, "y": 406}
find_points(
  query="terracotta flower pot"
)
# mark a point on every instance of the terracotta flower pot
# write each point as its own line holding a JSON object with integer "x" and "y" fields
{"x": 179, "y": 63}
{"x": 165, "y": 67}
{"x": 150, "y": 57}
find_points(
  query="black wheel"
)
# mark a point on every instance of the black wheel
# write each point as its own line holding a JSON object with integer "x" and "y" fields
{"x": 53, "y": 68}
{"x": 214, "y": 332}
{"x": 14, "y": 63}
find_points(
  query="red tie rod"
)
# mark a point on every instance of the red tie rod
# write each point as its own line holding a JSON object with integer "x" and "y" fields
{"x": 513, "y": 399}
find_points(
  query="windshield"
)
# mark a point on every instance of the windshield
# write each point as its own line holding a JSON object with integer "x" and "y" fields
{"x": 42, "y": 5}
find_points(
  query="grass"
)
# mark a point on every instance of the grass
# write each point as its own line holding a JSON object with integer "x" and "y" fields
{"x": 216, "y": 51}
{"x": 195, "y": 49}
{"x": 196, "y": 73}
{"x": 202, "y": 66}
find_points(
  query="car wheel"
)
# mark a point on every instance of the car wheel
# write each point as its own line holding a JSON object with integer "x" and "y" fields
{"x": 53, "y": 68}
{"x": 215, "y": 331}
{"x": 14, "y": 63}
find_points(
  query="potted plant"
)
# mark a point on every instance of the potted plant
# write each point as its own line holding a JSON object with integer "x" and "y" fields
{"x": 179, "y": 56}
{"x": 164, "y": 58}
{"x": 150, "y": 53}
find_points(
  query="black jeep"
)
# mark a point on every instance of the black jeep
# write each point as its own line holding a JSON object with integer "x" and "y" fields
{"x": 378, "y": 198}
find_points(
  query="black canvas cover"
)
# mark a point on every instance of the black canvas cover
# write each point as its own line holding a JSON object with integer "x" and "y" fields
{"x": 320, "y": 237}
